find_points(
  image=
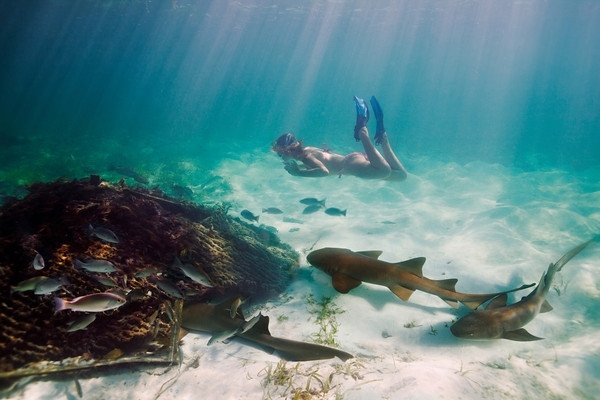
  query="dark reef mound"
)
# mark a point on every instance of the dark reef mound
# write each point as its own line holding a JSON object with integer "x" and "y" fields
{"x": 156, "y": 235}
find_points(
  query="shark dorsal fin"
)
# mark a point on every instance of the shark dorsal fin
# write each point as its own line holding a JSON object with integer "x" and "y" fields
{"x": 520, "y": 335}
{"x": 497, "y": 302}
{"x": 343, "y": 283}
{"x": 446, "y": 284}
{"x": 374, "y": 254}
{"x": 262, "y": 326}
{"x": 414, "y": 265}
{"x": 546, "y": 307}
{"x": 402, "y": 292}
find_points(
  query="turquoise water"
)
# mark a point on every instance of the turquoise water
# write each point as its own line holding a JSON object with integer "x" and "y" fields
{"x": 493, "y": 107}
{"x": 142, "y": 83}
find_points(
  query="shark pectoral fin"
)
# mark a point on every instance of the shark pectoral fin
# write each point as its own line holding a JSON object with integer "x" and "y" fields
{"x": 546, "y": 307}
{"x": 520, "y": 335}
{"x": 402, "y": 292}
{"x": 343, "y": 283}
{"x": 370, "y": 253}
{"x": 414, "y": 265}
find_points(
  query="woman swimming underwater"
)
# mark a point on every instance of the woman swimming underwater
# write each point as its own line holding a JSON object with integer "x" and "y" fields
{"x": 321, "y": 162}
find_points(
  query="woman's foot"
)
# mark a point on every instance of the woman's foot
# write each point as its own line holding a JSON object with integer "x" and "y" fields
{"x": 380, "y": 132}
{"x": 362, "y": 116}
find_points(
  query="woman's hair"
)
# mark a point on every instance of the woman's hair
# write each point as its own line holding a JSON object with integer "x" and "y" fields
{"x": 287, "y": 144}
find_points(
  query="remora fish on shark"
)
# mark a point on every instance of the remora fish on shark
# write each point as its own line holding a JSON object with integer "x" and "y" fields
{"x": 348, "y": 269}
{"x": 498, "y": 320}
{"x": 217, "y": 320}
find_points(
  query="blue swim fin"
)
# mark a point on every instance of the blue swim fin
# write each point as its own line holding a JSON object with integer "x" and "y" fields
{"x": 362, "y": 116}
{"x": 379, "y": 117}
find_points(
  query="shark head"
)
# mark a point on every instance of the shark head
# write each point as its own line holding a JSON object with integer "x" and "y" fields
{"x": 327, "y": 259}
{"x": 474, "y": 326}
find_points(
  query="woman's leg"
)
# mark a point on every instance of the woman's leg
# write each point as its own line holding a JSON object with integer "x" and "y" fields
{"x": 399, "y": 172}
{"x": 375, "y": 158}
{"x": 361, "y": 133}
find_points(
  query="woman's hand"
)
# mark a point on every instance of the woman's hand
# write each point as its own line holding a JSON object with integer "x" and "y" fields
{"x": 292, "y": 168}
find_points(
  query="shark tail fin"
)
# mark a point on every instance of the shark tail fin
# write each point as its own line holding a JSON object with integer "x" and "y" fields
{"x": 573, "y": 252}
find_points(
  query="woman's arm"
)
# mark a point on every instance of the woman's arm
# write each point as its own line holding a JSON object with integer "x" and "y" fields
{"x": 317, "y": 170}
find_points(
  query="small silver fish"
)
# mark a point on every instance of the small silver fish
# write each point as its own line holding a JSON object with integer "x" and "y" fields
{"x": 103, "y": 234}
{"x": 106, "y": 281}
{"x": 335, "y": 212}
{"x": 183, "y": 192}
{"x": 95, "y": 265}
{"x": 166, "y": 286}
{"x": 310, "y": 201}
{"x": 193, "y": 273}
{"x": 234, "y": 307}
{"x": 96, "y": 302}
{"x": 48, "y": 286}
{"x": 78, "y": 385}
{"x": 312, "y": 209}
{"x": 250, "y": 324}
{"x": 81, "y": 323}
{"x": 28, "y": 284}
{"x": 38, "y": 262}
{"x": 223, "y": 336}
{"x": 292, "y": 220}
{"x": 272, "y": 210}
{"x": 144, "y": 273}
{"x": 226, "y": 335}
{"x": 249, "y": 215}
{"x": 137, "y": 295}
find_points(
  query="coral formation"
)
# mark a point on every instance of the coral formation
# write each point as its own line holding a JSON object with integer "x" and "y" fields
{"x": 156, "y": 234}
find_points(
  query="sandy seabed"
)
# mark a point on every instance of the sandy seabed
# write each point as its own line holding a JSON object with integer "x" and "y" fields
{"x": 491, "y": 227}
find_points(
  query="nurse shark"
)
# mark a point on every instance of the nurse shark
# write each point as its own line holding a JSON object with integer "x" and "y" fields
{"x": 499, "y": 321}
{"x": 348, "y": 269}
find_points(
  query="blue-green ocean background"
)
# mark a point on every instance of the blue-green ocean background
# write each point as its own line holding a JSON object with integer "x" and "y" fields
{"x": 89, "y": 83}
{"x": 493, "y": 106}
